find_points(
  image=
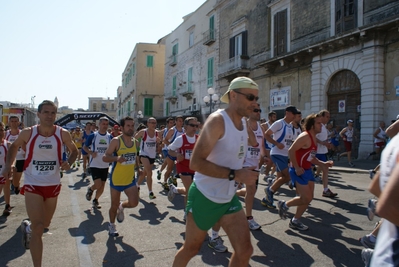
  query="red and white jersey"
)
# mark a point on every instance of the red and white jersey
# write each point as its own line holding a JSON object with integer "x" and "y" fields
{"x": 148, "y": 145}
{"x": 11, "y": 138}
{"x": 3, "y": 153}
{"x": 43, "y": 158}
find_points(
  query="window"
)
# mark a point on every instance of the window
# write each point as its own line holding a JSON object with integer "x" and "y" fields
{"x": 238, "y": 45}
{"x": 345, "y": 15}
{"x": 134, "y": 69}
{"x": 113, "y": 106}
{"x": 167, "y": 109}
{"x": 148, "y": 106}
{"x": 174, "y": 86}
{"x": 150, "y": 61}
{"x": 280, "y": 32}
{"x": 212, "y": 28}
{"x": 190, "y": 79}
{"x": 191, "y": 39}
{"x": 94, "y": 106}
{"x": 210, "y": 72}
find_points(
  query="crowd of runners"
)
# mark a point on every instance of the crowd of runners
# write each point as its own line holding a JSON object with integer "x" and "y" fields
{"x": 216, "y": 163}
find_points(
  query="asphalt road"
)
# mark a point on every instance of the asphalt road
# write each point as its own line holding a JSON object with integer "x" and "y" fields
{"x": 154, "y": 230}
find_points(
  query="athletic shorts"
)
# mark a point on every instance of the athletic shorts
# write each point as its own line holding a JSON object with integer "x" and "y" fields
{"x": 172, "y": 158}
{"x": 281, "y": 162}
{"x": 121, "y": 188}
{"x": 2, "y": 180}
{"x": 321, "y": 157}
{"x": 152, "y": 161}
{"x": 84, "y": 153}
{"x": 188, "y": 174}
{"x": 334, "y": 142}
{"x": 44, "y": 191}
{"x": 206, "y": 212}
{"x": 303, "y": 179}
{"x": 267, "y": 147}
{"x": 348, "y": 146}
{"x": 379, "y": 144}
{"x": 164, "y": 153}
{"x": 99, "y": 173}
{"x": 19, "y": 165}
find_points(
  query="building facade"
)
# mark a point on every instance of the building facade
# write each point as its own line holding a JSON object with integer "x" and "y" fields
{"x": 105, "y": 105}
{"x": 142, "y": 92}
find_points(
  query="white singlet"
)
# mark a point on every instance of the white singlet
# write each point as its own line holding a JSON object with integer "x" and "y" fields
{"x": 253, "y": 153}
{"x": 282, "y": 133}
{"x": 11, "y": 138}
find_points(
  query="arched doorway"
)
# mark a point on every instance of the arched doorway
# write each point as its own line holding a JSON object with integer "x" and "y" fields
{"x": 344, "y": 98}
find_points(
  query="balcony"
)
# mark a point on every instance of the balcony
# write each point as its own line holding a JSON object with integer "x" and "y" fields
{"x": 171, "y": 97}
{"x": 234, "y": 67}
{"x": 209, "y": 37}
{"x": 173, "y": 60}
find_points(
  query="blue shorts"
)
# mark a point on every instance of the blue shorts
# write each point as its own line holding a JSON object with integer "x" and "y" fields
{"x": 172, "y": 158}
{"x": 303, "y": 179}
{"x": 84, "y": 153}
{"x": 334, "y": 142}
{"x": 266, "y": 144}
{"x": 281, "y": 162}
{"x": 121, "y": 188}
{"x": 321, "y": 157}
{"x": 164, "y": 153}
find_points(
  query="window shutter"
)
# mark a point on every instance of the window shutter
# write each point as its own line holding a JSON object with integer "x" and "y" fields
{"x": 232, "y": 47}
{"x": 244, "y": 43}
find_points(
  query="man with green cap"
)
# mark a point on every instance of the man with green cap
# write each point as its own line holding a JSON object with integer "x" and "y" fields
{"x": 217, "y": 160}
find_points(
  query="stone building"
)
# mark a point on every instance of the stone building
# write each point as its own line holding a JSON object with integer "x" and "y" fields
{"x": 105, "y": 105}
{"x": 191, "y": 61}
{"x": 142, "y": 92}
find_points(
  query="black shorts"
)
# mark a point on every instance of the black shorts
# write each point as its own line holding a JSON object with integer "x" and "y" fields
{"x": 152, "y": 161}
{"x": 19, "y": 165}
{"x": 99, "y": 173}
{"x": 188, "y": 174}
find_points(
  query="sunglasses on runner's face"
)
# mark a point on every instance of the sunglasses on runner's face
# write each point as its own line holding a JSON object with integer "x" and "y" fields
{"x": 194, "y": 125}
{"x": 257, "y": 110}
{"x": 250, "y": 97}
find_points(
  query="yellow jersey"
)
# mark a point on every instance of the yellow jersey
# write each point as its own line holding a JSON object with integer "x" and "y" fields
{"x": 123, "y": 173}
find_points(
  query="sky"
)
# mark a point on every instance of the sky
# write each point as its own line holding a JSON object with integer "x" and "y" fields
{"x": 76, "y": 49}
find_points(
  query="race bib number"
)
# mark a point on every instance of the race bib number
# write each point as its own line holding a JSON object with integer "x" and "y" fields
{"x": 253, "y": 152}
{"x": 101, "y": 150}
{"x": 151, "y": 144}
{"x": 187, "y": 154}
{"x": 130, "y": 158}
{"x": 312, "y": 155}
{"x": 44, "y": 168}
{"x": 288, "y": 143}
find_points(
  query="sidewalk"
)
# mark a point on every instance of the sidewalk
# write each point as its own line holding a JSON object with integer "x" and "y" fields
{"x": 361, "y": 165}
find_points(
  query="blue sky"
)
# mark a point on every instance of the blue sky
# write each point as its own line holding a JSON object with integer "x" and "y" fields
{"x": 76, "y": 49}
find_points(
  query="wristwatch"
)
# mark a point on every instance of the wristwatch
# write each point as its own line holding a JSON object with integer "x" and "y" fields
{"x": 232, "y": 175}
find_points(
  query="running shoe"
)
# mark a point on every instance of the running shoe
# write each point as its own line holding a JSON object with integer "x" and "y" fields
{"x": 16, "y": 190}
{"x": 366, "y": 241}
{"x": 171, "y": 194}
{"x": 25, "y": 235}
{"x": 152, "y": 196}
{"x": 269, "y": 195}
{"x": 217, "y": 244}
{"x": 74, "y": 165}
{"x": 262, "y": 169}
{"x": 371, "y": 208}
{"x": 61, "y": 174}
{"x": 159, "y": 175}
{"x": 366, "y": 256}
{"x": 266, "y": 203}
{"x": 89, "y": 193}
{"x": 298, "y": 225}
{"x": 253, "y": 225}
{"x": 165, "y": 186}
{"x": 318, "y": 179}
{"x": 120, "y": 215}
{"x": 7, "y": 210}
{"x": 351, "y": 164}
{"x": 329, "y": 193}
{"x": 84, "y": 175}
{"x": 112, "y": 230}
{"x": 282, "y": 209}
{"x": 78, "y": 164}
{"x": 96, "y": 204}
{"x": 371, "y": 173}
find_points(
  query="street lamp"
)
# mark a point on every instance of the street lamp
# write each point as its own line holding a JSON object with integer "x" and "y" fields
{"x": 140, "y": 115}
{"x": 211, "y": 99}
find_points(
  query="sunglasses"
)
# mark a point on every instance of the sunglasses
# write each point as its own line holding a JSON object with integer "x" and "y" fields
{"x": 193, "y": 125}
{"x": 257, "y": 110}
{"x": 152, "y": 122}
{"x": 250, "y": 97}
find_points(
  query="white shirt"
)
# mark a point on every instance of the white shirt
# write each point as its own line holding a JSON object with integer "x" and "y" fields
{"x": 322, "y": 136}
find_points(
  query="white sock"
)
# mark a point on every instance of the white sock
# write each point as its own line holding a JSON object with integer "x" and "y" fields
{"x": 174, "y": 189}
{"x": 215, "y": 234}
{"x": 27, "y": 229}
{"x": 121, "y": 206}
{"x": 325, "y": 189}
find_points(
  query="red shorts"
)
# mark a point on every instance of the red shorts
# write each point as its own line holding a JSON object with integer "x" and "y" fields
{"x": 2, "y": 180}
{"x": 348, "y": 146}
{"x": 45, "y": 191}
{"x": 379, "y": 144}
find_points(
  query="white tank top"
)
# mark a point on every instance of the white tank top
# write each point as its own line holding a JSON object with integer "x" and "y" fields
{"x": 282, "y": 133}
{"x": 349, "y": 134}
{"x": 382, "y": 135}
{"x": 322, "y": 136}
{"x": 43, "y": 157}
{"x": 229, "y": 151}
{"x": 11, "y": 138}
{"x": 100, "y": 144}
{"x": 148, "y": 145}
{"x": 3, "y": 153}
{"x": 253, "y": 153}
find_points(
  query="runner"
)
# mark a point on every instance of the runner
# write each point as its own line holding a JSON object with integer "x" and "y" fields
{"x": 11, "y": 136}
{"x": 172, "y": 134}
{"x": 347, "y": 134}
{"x": 42, "y": 181}
{"x": 149, "y": 139}
{"x": 282, "y": 138}
{"x": 122, "y": 153}
{"x": 85, "y": 156}
{"x": 77, "y": 138}
{"x": 170, "y": 122}
{"x": 302, "y": 155}
{"x": 218, "y": 159}
{"x": 96, "y": 145}
{"x": 4, "y": 183}
{"x": 266, "y": 168}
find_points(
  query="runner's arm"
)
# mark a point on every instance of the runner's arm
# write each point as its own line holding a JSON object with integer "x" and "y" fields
{"x": 387, "y": 205}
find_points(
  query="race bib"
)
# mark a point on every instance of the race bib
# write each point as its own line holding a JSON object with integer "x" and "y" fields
{"x": 44, "y": 168}
{"x": 101, "y": 150}
{"x": 187, "y": 154}
{"x": 151, "y": 144}
{"x": 312, "y": 154}
{"x": 253, "y": 152}
{"x": 130, "y": 159}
